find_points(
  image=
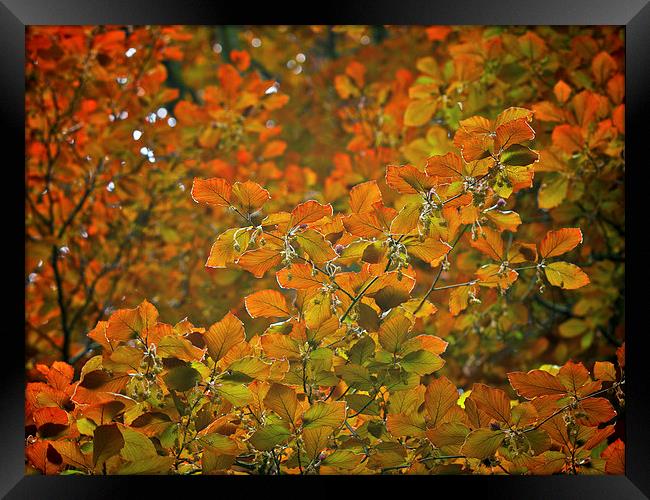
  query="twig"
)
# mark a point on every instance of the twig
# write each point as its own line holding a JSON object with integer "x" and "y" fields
{"x": 435, "y": 281}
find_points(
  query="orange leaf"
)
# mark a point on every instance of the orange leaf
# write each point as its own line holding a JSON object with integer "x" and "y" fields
{"x": 283, "y": 401}
{"x": 513, "y": 132}
{"x": 440, "y": 396}
{"x": 274, "y": 149}
{"x": 437, "y": 33}
{"x": 491, "y": 275}
{"x": 44, "y": 457}
{"x": 250, "y": 196}
{"x": 229, "y": 79}
{"x": 260, "y": 260}
{"x": 494, "y": 402}
{"x": 504, "y": 220}
{"x": 604, "y": 370}
{"x": 224, "y": 335}
{"x": 241, "y": 59}
{"x": 535, "y": 383}
{"x": 370, "y": 224}
{"x": 595, "y": 411}
{"x": 558, "y": 242}
{"x": 615, "y": 456}
{"x": 573, "y": 376}
{"x": 459, "y": 299}
{"x": 267, "y": 304}
{"x": 300, "y": 277}
{"x": 174, "y": 346}
{"x": 280, "y": 346}
{"x": 363, "y": 196}
{"x": 562, "y": 91}
{"x": 408, "y": 180}
{"x": 125, "y": 323}
{"x": 511, "y": 114}
{"x": 603, "y": 66}
{"x": 228, "y": 247}
{"x": 356, "y": 71}
{"x": 490, "y": 243}
{"x": 568, "y": 138}
{"x": 473, "y": 147}
{"x": 430, "y": 250}
{"x": 449, "y": 165}
{"x": 407, "y": 219}
{"x": 50, "y": 415}
{"x": 215, "y": 191}
{"x": 309, "y": 212}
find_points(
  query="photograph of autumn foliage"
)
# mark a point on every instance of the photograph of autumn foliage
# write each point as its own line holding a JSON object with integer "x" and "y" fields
{"x": 271, "y": 250}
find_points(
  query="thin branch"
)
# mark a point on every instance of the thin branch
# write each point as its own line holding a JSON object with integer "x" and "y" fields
{"x": 65, "y": 349}
{"x": 435, "y": 281}
{"x": 367, "y": 287}
{"x": 456, "y": 285}
{"x": 567, "y": 406}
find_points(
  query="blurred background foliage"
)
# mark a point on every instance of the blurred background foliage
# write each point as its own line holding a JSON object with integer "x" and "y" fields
{"x": 120, "y": 119}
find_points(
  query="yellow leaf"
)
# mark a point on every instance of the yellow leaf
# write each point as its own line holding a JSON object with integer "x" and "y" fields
{"x": 419, "y": 112}
{"x": 565, "y": 275}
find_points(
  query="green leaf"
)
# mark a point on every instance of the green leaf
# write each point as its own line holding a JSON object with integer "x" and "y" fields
{"x": 324, "y": 379}
{"x": 394, "y": 331}
{"x": 449, "y": 437}
{"x": 399, "y": 380}
{"x": 219, "y": 443}
{"x": 343, "y": 459}
{"x": 107, "y": 442}
{"x": 324, "y": 414}
{"x": 182, "y": 378}
{"x": 362, "y": 403}
{"x": 355, "y": 375}
{"x": 266, "y": 438}
{"x": 519, "y": 156}
{"x": 72, "y": 472}
{"x": 86, "y": 426}
{"x": 482, "y": 443}
{"x": 362, "y": 350}
{"x": 250, "y": 366}
{"x": 237, "y": 394}
{"x": 315, "y": 440}
{"x": 401, "y": 425}
{"x": 169, "y": 436}
{"x": 151, "y": 465}
{"x": 321, "y": 359}
{"x": 137, "y": 446}
{"x": 422, "y": 362}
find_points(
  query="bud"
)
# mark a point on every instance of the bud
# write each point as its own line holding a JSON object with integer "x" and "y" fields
{"x": 302, "y": 227}
{"x": 339, "y": 249}
{"x": 501, "y": 203}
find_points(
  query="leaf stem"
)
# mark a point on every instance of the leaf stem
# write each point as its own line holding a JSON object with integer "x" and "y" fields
{"x": 435, "y": 281}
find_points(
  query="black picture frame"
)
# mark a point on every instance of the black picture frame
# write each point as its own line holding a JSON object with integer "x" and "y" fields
{"x": 15, "y": 15}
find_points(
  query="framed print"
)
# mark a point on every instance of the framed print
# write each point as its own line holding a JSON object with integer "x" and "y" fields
{"x": 382, "y": 243}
